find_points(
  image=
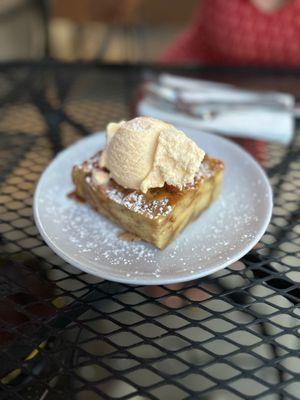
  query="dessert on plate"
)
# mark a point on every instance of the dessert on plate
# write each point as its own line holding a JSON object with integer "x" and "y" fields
{"x": 151, "y": 179}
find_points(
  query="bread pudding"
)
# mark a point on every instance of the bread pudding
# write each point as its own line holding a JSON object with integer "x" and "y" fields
{"x": 158, "y": 214}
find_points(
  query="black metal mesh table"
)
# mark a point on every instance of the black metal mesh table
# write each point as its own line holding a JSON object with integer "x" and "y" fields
{"x": 67, "y": 335}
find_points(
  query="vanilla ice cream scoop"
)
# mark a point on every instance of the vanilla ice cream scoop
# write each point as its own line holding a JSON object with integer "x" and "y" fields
{"x": 146, "y": 153}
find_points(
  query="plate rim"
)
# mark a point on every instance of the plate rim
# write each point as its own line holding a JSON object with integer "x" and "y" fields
{"x": 153, "y": 281}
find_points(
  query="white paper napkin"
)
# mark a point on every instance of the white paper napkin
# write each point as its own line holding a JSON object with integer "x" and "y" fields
{"x": 262, "y": 123}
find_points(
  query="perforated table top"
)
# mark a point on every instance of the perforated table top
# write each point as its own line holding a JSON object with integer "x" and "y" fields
{"x": 67, "y": 335}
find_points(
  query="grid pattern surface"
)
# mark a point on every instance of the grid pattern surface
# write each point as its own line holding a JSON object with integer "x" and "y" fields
{"x": 67, "y": 335}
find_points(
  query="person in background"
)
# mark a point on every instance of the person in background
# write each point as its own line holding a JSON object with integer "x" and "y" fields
{"x": 240, "y": 32}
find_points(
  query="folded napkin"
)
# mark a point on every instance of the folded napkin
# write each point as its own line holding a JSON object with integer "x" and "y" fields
{"x": 237, "y": 113}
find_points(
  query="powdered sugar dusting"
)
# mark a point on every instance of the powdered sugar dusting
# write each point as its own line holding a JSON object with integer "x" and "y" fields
{"x": 96, "y": 238}
{"x": 204, "y": 171}
{"x": 230, "y": 225}
{"x": 136, "y": 202}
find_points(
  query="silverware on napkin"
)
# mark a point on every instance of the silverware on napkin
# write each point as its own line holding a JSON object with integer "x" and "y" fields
{"x": 208, "y": 105}
{"x": 220, "y": 108}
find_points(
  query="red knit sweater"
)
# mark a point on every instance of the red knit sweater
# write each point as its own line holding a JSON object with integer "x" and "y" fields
{"x": 235, "y": 32}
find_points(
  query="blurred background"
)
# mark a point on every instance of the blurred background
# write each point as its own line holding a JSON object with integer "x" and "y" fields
{"x": 107, "y": 30}
{"x": 239, "y": 325}
{"x": 239, "y": 32}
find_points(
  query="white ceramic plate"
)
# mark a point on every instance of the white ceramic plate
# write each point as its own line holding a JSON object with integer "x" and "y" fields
{"x": 222, "y": 234}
